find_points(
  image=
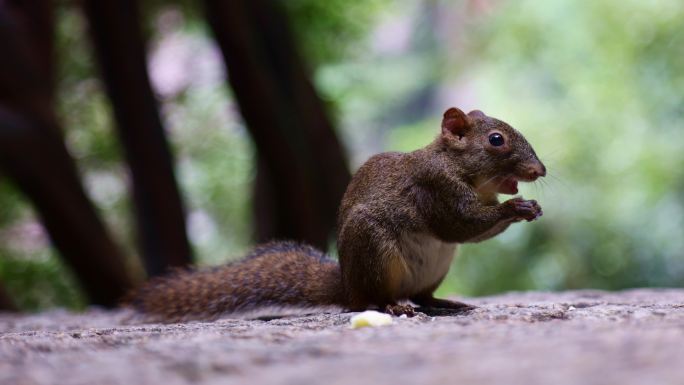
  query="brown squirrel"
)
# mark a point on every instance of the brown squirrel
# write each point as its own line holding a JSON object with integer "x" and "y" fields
{"x": 400, "y": 220}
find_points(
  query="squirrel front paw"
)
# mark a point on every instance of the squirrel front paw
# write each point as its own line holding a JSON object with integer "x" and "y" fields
{"x": 522, "y": 209}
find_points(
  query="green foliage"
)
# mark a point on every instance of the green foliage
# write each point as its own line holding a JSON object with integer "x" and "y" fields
{"x": 38, "y": 283}
{"x": 327, "y": 30}
{"x": 215, "y": 167}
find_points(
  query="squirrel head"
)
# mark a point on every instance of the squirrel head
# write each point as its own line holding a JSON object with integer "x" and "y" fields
{"x": 492, "y": 155}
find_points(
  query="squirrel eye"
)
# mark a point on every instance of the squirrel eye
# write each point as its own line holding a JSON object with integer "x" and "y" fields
{"x": 496, "y": 140}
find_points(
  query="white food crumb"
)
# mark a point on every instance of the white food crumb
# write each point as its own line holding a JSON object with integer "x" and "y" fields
{"x": 370, "y": 318}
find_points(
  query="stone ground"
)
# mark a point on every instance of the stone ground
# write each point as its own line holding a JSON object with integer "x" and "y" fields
{"x": 583, "y": 337}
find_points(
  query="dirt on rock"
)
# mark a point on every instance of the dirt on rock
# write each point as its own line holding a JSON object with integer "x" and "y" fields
{"x": 581, "y": 337}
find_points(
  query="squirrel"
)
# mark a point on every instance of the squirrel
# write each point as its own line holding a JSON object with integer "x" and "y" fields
{"x": 399, "y": 224}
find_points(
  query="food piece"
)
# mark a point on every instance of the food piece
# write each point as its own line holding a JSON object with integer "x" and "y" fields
{"x": 370, "y": 318}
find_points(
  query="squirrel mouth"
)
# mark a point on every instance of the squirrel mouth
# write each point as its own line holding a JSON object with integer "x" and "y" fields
{"x": 509, "y": 186}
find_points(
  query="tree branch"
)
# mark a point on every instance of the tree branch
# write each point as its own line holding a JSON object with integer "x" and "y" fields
{"x": 33, "y": 154}
{"x": 302, "y": 166}
{"x": 118, "y": 41}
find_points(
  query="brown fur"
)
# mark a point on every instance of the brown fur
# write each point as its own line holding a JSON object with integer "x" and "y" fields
{"x": 441, "y": 195}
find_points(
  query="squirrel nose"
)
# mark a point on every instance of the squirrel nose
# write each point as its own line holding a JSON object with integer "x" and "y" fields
{"x": 536, "y": 170}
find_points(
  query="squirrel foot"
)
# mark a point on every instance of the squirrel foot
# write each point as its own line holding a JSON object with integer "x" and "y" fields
{"x": 443, "y": 304}
{"x": 441, "y": 307}
{"x": 397, "y": 310}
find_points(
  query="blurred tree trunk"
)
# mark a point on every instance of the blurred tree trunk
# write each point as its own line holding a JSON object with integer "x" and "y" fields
{"x": 36, "y": 18}
{"x": 27, "y": 53}
{"x": 32, "y": 152}
{"x": 302, "y": 169}
{"x": 118, "y": 40}
{"x": 6, "y": 303}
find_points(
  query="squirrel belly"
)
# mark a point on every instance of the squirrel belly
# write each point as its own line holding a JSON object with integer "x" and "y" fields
{"x": 273, "y": 275}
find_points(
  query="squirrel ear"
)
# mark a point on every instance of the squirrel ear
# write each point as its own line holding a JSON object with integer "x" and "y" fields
{"x": 455, "y": 123}
{"x": 477, "y": 114}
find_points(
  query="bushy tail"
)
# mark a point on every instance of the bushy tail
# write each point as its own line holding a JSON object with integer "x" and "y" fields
{"x": 278, "y": 274}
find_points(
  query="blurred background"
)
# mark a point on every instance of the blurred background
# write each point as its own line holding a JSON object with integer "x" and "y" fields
{"x": 314, "y": 89}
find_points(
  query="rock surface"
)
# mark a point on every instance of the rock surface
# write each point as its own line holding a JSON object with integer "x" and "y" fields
{"x": 583, "y": 337}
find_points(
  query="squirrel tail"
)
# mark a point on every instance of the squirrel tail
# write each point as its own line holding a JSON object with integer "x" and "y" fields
{"x": 277, "y": 274}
